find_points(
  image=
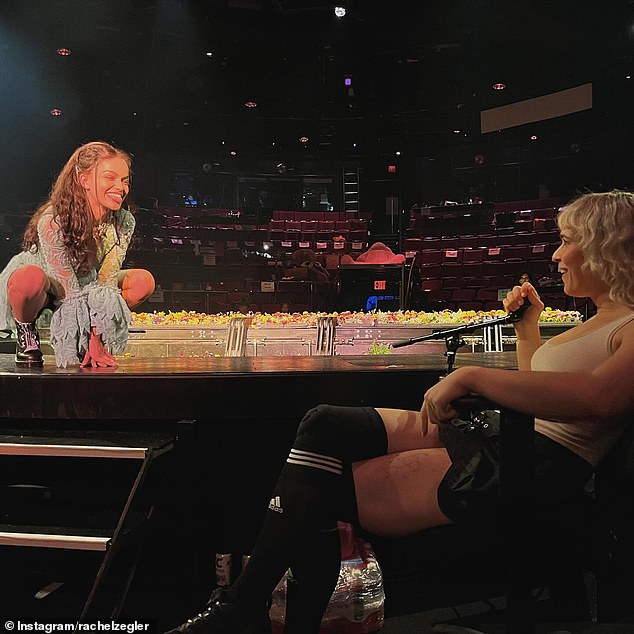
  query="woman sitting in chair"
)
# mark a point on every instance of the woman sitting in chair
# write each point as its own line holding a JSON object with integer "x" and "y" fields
{"x": 391, "y": 470}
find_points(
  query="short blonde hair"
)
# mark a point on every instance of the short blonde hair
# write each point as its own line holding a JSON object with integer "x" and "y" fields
{"x": 603, "y": 226}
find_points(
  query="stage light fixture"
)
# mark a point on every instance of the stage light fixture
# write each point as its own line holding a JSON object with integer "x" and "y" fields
{"x": 340, "y": 12}
{"x": 499, "y": 86}
{"x": 251, "y": 104}
{"x": 303, "y": 139}
{"x": 64, "y": 52}
{"x": 56, "y": 112}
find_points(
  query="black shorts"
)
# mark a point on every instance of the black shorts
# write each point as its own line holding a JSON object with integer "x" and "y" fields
{"x": 469, "y": 492}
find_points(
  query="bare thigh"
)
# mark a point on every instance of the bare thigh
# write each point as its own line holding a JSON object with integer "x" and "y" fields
{"x": 397, "y": 493}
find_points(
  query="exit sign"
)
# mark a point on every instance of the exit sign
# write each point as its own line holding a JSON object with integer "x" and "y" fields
{"x": 379, "y": 285}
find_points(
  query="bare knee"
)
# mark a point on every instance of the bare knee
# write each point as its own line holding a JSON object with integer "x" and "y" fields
{"x": 136, "y": 286}
{"x": 26, "y": 284}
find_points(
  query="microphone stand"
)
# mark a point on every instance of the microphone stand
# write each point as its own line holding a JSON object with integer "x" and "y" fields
{"x": 453, "y": 336}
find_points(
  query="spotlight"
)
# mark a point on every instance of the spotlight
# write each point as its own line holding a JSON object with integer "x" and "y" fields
{"x": 64, "y": 52}
{"x": 499, "y": 86}
{"x": 340, "y": 12}
{"x": 56, "y": 112}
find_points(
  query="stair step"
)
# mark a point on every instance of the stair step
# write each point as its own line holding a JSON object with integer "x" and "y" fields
{"x": 73, "y": 451}
{"x": 48, "y": 537}
{"x": 72, "y": 444}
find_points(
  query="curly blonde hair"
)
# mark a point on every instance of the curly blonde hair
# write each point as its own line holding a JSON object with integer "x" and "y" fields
{"x": 603, "y": 227}
{"x": 71, "y": 210}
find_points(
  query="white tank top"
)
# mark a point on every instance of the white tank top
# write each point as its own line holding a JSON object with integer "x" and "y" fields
{"x": 589, "y": 438}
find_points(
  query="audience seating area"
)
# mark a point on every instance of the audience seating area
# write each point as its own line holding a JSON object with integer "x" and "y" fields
{"x": 217, "y": 260}
{"x": 465, "y": 254}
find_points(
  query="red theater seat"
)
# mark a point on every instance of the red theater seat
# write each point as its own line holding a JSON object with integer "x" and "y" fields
{"x": 430, "y": 270}
{"x": 283, "y": 215}
{"x": 463, "y": 294}
{"x": 413, "y": 244}
{"x": 494, "y": 254}
{"x": 430, "y": 256}
{"x": 470, "y": 241}
{"x": 450, "y": 242}
{"x": 431, "y": 285}
{"x": 517, "y": 253}
{"x": 451, "y": 256}
{"x": 473, "y": 255}
{"x": 473, "y": 270}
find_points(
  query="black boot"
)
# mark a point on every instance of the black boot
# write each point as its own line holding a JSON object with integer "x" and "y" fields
{"x": 223, "y": 617}
{"x": 27, "y": 349}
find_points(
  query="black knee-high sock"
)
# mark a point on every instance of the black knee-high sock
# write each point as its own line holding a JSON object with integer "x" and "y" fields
{"x": 307, "y": 497}
{"x": 315, "y": 571}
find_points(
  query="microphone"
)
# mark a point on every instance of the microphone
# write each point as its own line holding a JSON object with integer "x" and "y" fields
{"x": 516, "y": 315}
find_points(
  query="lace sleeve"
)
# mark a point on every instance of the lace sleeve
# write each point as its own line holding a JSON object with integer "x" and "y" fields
{"x": 56, "y": 261}
{"x": 115, "y": 246}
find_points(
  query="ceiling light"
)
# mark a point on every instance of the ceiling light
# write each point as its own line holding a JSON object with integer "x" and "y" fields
{"x": 340, "y": 12}
{"x": 533, "y": 137}
{"x": 251, "y": 104}
{"x": 56, "y": 112}
{"x": 303, "y": 139}
{"x": 209, "y": 54}
{"x": 499, "y": 86}
{"x": 64, "y": 52}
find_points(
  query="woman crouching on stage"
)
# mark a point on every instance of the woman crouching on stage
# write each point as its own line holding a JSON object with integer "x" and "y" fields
{"x": 393, "y": 471}
{"x": 73, "y": 249}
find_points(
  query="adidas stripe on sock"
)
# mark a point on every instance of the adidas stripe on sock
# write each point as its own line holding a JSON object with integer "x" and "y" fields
{"x": 315, "y": 461}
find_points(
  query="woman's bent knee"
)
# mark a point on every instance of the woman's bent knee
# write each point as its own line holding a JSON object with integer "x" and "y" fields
{"x": 136, "y": 285}
{"x": 27, "y": 283}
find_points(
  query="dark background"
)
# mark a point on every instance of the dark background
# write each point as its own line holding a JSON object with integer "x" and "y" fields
{"x": 139, "y": 76}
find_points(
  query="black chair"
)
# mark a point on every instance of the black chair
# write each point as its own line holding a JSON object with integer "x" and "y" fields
{"x": 582, "y": 559}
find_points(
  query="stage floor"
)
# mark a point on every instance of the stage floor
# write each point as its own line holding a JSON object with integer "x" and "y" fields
{"x": 222, "y": 387}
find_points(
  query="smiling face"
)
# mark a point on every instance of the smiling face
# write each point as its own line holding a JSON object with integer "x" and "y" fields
{"x": 578, "y": 280}
{"x": 106, "y": 185}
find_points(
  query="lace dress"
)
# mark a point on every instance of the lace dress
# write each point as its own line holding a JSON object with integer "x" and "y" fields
{"x": 81, "y": 301}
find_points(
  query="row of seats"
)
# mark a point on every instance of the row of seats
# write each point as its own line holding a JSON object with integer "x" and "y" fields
{"x": 322, "y": 215}
{"x": 534, "y": 203}
{"x": 481, "y": 240}
{"x": 499, "y": 222}
{"x": 318, "y": 225}
{"x": 201, "y": 228}
{"x": 474, "y": 255}
{"x": 280, "y": 244}
{"x": 237, "y": 214}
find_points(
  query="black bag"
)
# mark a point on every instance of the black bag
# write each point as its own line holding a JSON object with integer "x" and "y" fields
{"x": 469, "y": 492}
